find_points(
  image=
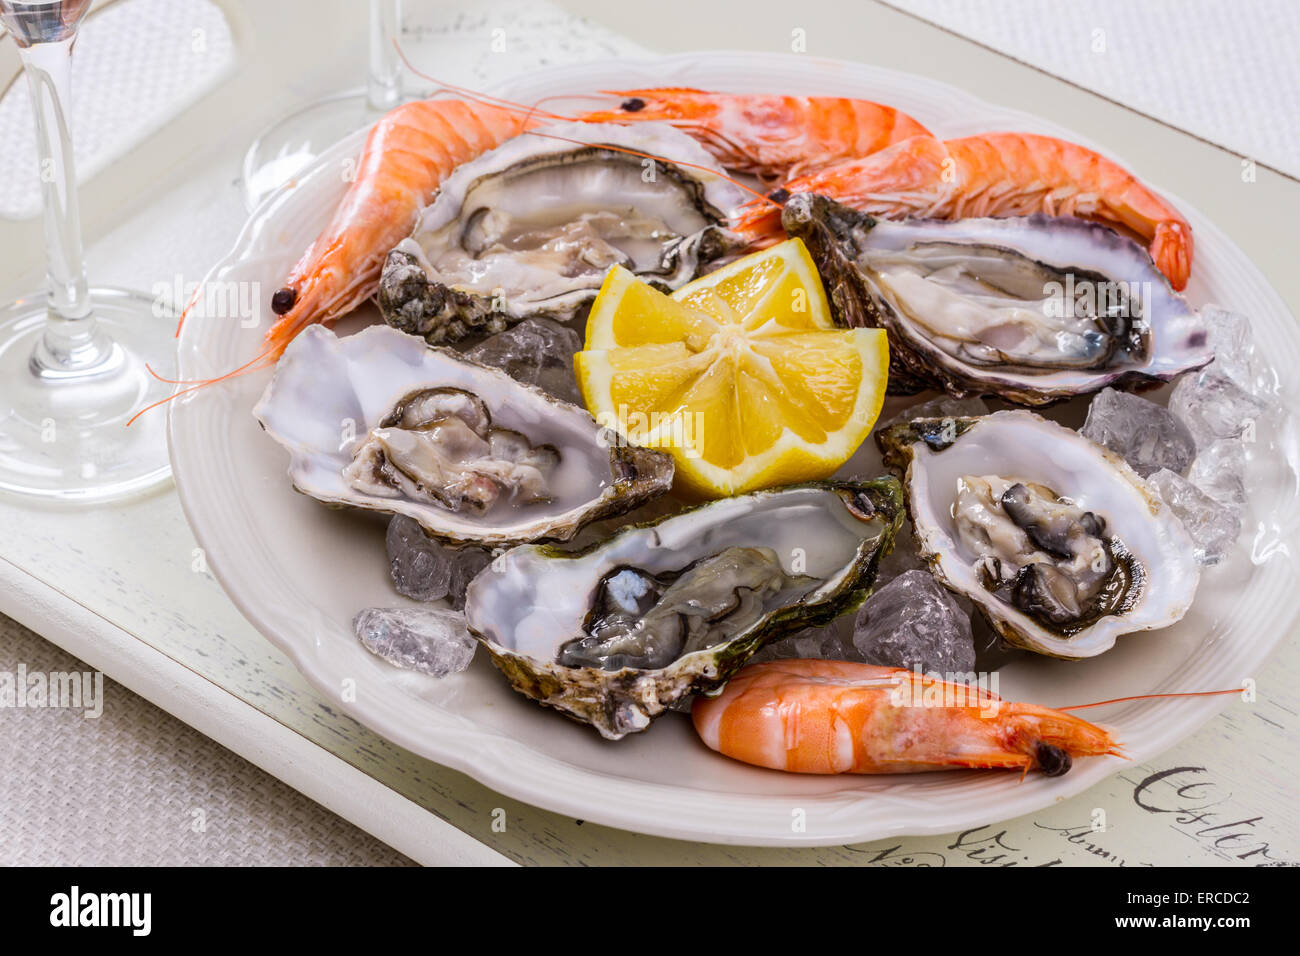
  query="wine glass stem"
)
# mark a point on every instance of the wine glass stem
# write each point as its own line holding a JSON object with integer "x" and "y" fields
{"x": 384, "y": 83}
{"x": 71, "y": 344}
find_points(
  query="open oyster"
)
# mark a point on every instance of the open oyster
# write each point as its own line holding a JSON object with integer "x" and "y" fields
{"x": 1055, "y": 539}
{"x": 616, "y": 634}
{"x": 1032, "y": 309}
{"x": 380, "y": 420}
{"x": 532, "y": 228}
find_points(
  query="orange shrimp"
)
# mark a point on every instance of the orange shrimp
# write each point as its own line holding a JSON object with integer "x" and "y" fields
{"x": 408, "y": 154}
{"x": 773, "y": 137}
{"x": 814, "y": 716}
{"x": 994, "y": 174}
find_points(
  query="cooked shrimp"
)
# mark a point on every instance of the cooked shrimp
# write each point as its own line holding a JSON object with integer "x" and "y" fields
{"x": 995, "y": 174}
{"x": 409, "y": 152}
{"x": 813, "y": 716}
{"x": 773, "y": 137}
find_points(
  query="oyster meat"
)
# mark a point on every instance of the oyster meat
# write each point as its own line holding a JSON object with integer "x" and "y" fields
{"x": 616, "y": 634}
{"x": 1032, "y": 309}
{"x": 439, "y": 446}
{"x": 532, "y": 228}
{"x": 1056, "y": 539}
{"x": 647, "y": 621}
{"x": 379, "y": 420}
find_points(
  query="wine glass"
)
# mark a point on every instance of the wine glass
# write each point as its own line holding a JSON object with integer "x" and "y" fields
{"x": 291, "y": 143}
{"x": 73, "y": 359}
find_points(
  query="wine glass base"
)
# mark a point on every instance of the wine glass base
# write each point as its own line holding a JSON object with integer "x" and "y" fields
{"x": 67, "y": 439}
{"x": 292, "y": 143}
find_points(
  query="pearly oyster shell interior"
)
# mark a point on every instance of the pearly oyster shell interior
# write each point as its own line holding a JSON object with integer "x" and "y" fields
{"x": 1033, "y": 309}
{"x": 533, "y": 227}
{"x": 757, "y": 566}
{"x": 354, "y": 415}
{"x": 1057, "y": 540}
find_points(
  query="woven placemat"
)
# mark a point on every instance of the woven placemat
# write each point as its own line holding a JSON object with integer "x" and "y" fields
{"x": 1224, "y": 71}
{"x": 135, "y": 786}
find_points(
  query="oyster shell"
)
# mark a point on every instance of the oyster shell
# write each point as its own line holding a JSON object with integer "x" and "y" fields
{"x": 531, "y": 228}
{"x": 615, "y": 634}
{"x": 1032, "y": 309}
{"x": 379, "y": 420}
{"x": 1056, "y": 540}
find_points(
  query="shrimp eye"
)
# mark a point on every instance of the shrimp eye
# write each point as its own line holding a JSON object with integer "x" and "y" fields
{"x": 1053, "y": 761}
{"x": 283, "y": 300}
{"x": 781, "y": 195}
{"x": 634, "y": 105}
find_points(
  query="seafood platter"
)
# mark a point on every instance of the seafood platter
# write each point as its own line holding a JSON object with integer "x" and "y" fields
{"x": 745, "y": 436}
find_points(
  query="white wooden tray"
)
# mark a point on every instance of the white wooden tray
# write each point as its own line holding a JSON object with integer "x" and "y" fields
{"x": 124, "y": 588}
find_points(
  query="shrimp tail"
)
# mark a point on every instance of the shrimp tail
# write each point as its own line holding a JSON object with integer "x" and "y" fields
{"x": 759, "y": 224}
{"x": 1172, "y": 249}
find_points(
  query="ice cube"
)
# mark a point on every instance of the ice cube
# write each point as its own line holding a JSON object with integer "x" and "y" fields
{"x": 427, "y": 639}
{"x": 419, "y": 565}
{"x": 1213, "y": 525}
{"x": 465, "y": 567}
{"x": 1236, "y": 356}
{"x": 1214, "y": 407}
{"x": 914, "y": 622}
{"x": 426, "y": 570}
{"x": 537, "y": 352}
{"x": 1220, "y": 471}
{"x": 1146, "y": 435}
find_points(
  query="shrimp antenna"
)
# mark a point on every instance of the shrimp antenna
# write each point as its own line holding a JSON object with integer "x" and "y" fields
{"x": 1121, "y": 700}
{"x": 476, "y": 95}
{"x": 195, "y": 384}
{"x": 180, "y": 319}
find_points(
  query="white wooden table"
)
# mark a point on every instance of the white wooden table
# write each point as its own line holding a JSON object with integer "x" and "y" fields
{"x": 125, "y": 588}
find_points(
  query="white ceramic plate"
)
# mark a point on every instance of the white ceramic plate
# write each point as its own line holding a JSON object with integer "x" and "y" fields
{"x": 300, "y": 571}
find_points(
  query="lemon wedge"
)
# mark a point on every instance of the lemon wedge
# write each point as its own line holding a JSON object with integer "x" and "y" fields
{"x": 741, "y": 375}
